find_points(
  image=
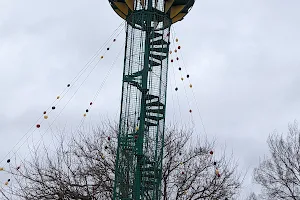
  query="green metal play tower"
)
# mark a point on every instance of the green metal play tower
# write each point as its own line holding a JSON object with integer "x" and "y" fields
{"x": 141, "y": 133}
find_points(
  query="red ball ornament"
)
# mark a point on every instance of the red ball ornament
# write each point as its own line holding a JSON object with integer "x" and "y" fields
{"x": 182, "y": 172}
{"x": 136, "y": 136}
{"x": 91, "y": 103}
{"x": 44, "y": 112}
{"x": 171, "y": 60}
{"x": 178, "y": 47}
{"x": 211, "y": 152}
{"x": 114, "y": 40}
{"x": 108, "y": 138}
{"x": 219, "y": 175}
{"x": 177, "y": 58}
{"x": 190, "y": 111}
{"x": 18, "y": 167}
{"x": 38, "y": 126}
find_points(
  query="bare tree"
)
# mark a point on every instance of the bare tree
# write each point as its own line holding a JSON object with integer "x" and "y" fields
{"x": 252, "y": 196}
{"x": 84, "y": 169}
{"x": 279, "y": 174}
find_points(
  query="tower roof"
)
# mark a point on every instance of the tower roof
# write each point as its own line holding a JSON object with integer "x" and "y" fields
{"x": 175, "y": 9}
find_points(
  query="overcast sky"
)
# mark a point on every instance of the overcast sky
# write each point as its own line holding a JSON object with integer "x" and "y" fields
{"x": 242, "y": 58}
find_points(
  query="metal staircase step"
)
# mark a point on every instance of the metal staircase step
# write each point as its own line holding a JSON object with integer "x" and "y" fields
{"x": 154, "y": 35}
{"x": 160, "y": 50}
{"x": 150, "y": 123}
{"x": 156, "y": 118}
{"x": 150, "y": 97}
{"x": 159, "y": 111}
{"x": 158, "y": 57}
{"x": 159, "y": 42}
{"x": 157, "y": 103}
{"x": 154, "y": 63}
{"x": 135, "y": 74}
{"x": 134, "y": 83}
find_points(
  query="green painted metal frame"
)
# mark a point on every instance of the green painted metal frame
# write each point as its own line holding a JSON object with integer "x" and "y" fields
{"x": 135, "y": 161}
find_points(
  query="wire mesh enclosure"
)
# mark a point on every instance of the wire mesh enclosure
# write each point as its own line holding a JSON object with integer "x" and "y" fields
{"x": 141, "y": 133}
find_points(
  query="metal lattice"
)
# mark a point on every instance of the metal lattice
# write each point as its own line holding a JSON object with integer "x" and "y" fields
{"x": 142, "y": 118}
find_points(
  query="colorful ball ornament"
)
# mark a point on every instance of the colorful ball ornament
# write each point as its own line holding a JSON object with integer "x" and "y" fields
{"x": 68, "y": 85}
{"x": 177, "y": 58}
{"x": 107, "y": 49}
{"x": 91, "y": 103}
{"x": 179, "y": 68}
{"x": 44, "y": 112}
{"x": 178, "y": 47}
{"x": 8, "y": 161}
{"x": 114, "y": 40}
{"x": 175, "y": 50}
{"x": 182, "y": 78}
{"x": 188, "y": 76}
{"x": 57, "y": 97}
{"x": 87, "y": 110}
{"x": 6, "y": 183}
{"x": 182, "y": 172}
{"x": 176, "y": 40}
{"x": 45, "y": 117}
{"x": 108, "y": 138}
{"x": 136, "y": 136}
{"x": 191, "y": 85}
{"x": 53, "y": 107}
{"x": 190, "y": 111}
{"x": 102, "y": 57}
{"x": 211, "y": 152}
{"x": 170, "y": 52}
{"x": 176, "y": 89}
{"x": 84, "y": 114}
{"x": 171, "y": 60}
{"x": 1, "y": 169}
{"x": 38, "y": 126}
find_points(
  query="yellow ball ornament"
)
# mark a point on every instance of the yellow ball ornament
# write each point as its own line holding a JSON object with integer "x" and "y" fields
{"x": 170, "y": 52}
{"x": 84, "y": 114}
{"x": 102, "y": 57}
{"x": 57, "y": 97}
{"x": 45, "y": 117}
{"x": 176, "y": 39}
{"x": 182, "y": 78}
{"x": 6, "y": 183}
{"x": 137, "y": 128}
{"x": 191, "y": 85}
{"x": 1, "y": 169}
